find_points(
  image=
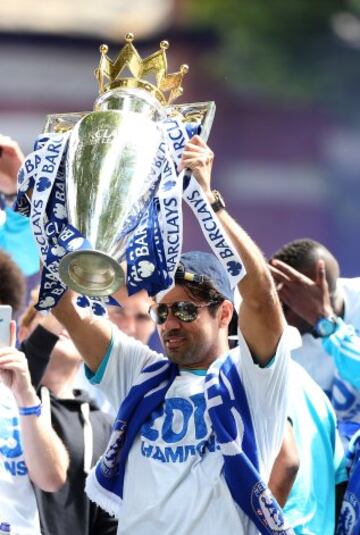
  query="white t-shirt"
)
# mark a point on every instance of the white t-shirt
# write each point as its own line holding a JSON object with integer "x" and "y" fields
{"x": 313, "y": 357}
{"x": 17, "y": 500}
{"x": 102, "y": 402}
{"x": 173, "y": 480}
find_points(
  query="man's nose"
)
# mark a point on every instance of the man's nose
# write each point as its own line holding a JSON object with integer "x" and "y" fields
{"x": 172, "y": 321}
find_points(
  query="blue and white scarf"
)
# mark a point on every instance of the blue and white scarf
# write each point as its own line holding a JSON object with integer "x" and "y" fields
{"x": 349, "y": 518}
{"x": 231, "y": 420}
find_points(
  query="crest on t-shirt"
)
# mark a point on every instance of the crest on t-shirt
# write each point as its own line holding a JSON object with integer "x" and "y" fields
{"x": 350, "y": 513}
{"x": 268, "y": 511}
{"x": 110, "y": 459}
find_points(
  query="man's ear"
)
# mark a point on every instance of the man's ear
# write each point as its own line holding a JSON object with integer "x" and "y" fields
{"x": 225, "y": 313}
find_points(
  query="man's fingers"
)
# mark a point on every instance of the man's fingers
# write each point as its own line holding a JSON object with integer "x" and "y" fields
{"x": 191, "y": 163}
{"x": 8, "y": 354}
{"x": 194, "y": 148}
{"x": 181, "y": 166}
{"x": 321, "y": 274}
{"x": 205, "y": 155}
{"x": 197, "y": 140}
{"x": 278, "y": 275}
{"x": 292, "y": 273}
{"x": 189, "y": 153}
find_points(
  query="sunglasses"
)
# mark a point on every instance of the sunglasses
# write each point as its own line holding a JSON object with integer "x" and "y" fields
{"x": 185, "y": 311}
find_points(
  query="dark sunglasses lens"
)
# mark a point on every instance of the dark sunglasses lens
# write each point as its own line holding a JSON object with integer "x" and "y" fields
{"x": 159, "y": 313}
{"x": 185, "y": 311}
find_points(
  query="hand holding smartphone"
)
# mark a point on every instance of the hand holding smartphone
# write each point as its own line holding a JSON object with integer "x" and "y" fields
{"x": 5, "y": 319}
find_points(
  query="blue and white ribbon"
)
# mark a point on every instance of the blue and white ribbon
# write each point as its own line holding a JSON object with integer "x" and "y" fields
{"x": 170, "y": 202}
{"x": 193, "y": 195}
{"x": 42, "y": 177}
{"x": 146, "y": 265}
{"x": 152, "y": 233}
{"x": 155, "y": 248}
{"x": 214, "y": 233}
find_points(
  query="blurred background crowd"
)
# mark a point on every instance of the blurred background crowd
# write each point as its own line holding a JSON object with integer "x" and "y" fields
{"x": 284, "y": 76}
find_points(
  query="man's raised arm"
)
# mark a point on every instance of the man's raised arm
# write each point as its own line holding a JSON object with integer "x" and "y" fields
{"x": 261, "y": 317}
{"x": 90, "y": 334}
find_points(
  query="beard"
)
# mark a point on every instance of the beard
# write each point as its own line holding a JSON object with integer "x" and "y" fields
{"x": 180, "y": 347}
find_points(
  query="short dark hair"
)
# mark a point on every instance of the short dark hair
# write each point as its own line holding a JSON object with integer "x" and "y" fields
{"x": 12, "y": 283}
{"x": 204, "y": 292}
{"x": 299, "y": 253}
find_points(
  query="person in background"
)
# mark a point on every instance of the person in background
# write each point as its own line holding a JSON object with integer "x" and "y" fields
{"x": 326, "y": 309}
{"x": 15, "y": 232}
{"x": 315, "y": 494}
{"x": 311, "y": 445}
{"x": 12, "y": 283}
{"x": 133, "y": 317}
{"x": 54, "y": 363}
{"x": 30, "y": 449}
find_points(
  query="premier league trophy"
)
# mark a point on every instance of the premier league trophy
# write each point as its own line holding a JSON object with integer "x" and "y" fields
{"x": 102, "y": 189}
{"x": 110, "y": 160}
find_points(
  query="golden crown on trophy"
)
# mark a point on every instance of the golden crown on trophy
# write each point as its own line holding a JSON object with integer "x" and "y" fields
{"x": 109, "y": 72}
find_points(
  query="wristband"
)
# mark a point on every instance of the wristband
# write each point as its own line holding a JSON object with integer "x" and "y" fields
{"x": 27, "y": 411}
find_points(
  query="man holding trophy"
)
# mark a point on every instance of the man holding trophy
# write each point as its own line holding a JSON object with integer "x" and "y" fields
{"x": 197, "y": 429}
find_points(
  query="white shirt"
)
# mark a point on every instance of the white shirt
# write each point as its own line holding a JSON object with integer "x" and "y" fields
{"x": 173, "y": 480}
{"x": 17, "y": 500}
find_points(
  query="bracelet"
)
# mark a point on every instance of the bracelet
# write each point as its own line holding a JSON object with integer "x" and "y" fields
{"x": 27, "y": 411}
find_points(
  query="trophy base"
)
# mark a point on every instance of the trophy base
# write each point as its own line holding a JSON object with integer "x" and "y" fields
{"x": 91, "y": 273}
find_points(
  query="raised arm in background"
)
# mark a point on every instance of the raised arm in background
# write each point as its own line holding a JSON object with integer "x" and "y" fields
{"x": 45, "y": 455}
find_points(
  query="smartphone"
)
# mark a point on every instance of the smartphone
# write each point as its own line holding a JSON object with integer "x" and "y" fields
{"x": 5, "y": 318}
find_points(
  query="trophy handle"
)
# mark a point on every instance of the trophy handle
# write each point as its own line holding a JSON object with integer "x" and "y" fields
{"x": 58, "y": 123}
{"x": 201, "y": 113}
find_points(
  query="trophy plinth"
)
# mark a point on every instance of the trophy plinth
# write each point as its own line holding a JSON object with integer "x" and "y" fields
{"x": 92, "y": 273}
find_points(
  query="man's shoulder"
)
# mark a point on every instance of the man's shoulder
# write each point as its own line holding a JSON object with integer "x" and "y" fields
{"x": 314, "y": 398}
{"x": 350, "y": 288}
{"x": 351, "y": 283}
{"x": 300, "y": 378}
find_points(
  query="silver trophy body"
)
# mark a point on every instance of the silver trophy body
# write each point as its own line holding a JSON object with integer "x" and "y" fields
{"x": 108, "y": 162}
{"x": 110, "y": 171}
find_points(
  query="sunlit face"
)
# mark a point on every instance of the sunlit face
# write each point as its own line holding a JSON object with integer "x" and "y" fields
{"x": 133, "y": 317}
{"x": 195, "y": 344}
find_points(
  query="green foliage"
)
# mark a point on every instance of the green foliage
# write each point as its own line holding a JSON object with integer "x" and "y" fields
{"x": 279, "y": 48}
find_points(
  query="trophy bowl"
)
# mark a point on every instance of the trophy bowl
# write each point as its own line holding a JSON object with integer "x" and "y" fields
{"x": 108, "y": 162}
